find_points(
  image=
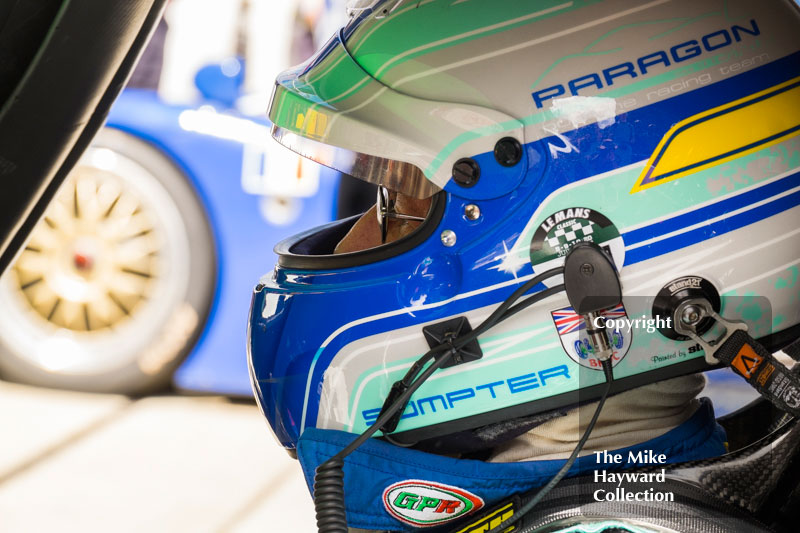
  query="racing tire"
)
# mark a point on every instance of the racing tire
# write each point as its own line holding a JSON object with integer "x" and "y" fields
{"x": 116, "y": 281}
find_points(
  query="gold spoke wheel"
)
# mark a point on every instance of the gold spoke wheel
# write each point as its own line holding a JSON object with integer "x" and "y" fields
{"x": 116, "y": 279}
{"x": 94, "y": 257}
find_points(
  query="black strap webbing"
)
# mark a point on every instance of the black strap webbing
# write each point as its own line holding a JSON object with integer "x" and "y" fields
{"x": 762, "y": 371}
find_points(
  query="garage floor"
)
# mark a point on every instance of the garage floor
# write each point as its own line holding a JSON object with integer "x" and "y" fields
{"x": 99, "y": 463}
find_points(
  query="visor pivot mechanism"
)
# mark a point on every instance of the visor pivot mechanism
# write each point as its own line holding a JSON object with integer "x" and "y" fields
{"x": 508, "y": 151}
{"x": 466, "y": 172}
{"x": 592, "y": 285}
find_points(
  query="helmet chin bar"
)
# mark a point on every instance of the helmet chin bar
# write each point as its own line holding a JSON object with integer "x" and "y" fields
{"x": 591, "y": 283}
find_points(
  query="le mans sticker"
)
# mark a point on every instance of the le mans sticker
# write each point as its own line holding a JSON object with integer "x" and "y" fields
{"x": 427, "y": 504}
{"x": 560, "y": 231}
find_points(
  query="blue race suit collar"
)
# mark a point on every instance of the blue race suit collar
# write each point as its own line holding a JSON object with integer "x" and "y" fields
{"x": 374, "y": 470}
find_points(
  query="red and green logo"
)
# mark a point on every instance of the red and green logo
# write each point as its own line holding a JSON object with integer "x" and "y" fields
{"x": 425, "y": 504}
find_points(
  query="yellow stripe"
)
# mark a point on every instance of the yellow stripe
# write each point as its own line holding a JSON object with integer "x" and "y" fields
{"x": 753, "y": 122}
{"x": 489, "y": 522}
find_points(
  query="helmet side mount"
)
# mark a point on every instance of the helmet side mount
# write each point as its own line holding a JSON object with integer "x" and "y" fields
{"x": 672, "y": 307}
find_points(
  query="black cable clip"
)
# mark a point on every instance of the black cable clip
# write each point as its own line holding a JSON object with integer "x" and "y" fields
{"x": 395, "y": 392}
{"x": 447, "y": 332}
{"x": 442, "y": 333}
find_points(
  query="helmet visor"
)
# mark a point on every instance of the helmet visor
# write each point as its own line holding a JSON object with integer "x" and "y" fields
{"x": 398, "y": 176}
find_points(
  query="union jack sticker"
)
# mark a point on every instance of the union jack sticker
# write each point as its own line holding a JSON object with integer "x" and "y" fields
{"x": 567, "y": 321}
{"x": 571, "y": 331}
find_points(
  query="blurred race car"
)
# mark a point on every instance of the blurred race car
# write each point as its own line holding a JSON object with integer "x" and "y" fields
{"x": 141, "y": 270}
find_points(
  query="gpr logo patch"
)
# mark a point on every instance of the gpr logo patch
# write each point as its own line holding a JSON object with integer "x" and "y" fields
{"x": 426, "y": 504}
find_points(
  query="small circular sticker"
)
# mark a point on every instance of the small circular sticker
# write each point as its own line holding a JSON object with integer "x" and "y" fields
{"x": 560, "y": 231}
{"x": 571, "y": 330}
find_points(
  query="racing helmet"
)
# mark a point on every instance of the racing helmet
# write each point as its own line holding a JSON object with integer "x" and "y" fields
{"x": 666, "y": 133}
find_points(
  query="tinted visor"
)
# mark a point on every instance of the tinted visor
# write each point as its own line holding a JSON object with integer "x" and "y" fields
{"x": 395, "y": 175}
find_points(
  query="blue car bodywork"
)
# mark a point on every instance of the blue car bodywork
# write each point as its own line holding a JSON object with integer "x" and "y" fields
{"x": 212, "y": 161}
